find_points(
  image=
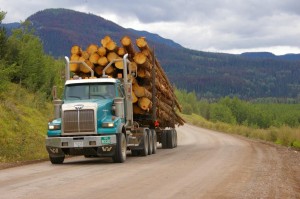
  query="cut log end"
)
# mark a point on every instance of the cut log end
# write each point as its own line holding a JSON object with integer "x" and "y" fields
{"x": 76, "y": 50}
{"x": 101, "y": 51}
{"x": 140, "y": 58}
{"x": 92, "y": 48}
{"x": 126, "y": 41}
{"x": 141, "y": 42}
{"x": 105, "y": 40}
{"x": 145, "y": 103}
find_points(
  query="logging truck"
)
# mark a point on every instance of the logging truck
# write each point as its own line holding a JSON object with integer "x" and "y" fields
{"x": 96, "y": 117}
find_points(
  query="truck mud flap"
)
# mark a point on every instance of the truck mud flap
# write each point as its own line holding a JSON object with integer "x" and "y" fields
{"x": 106, "y": 150}
{"x": 55, "y": 152}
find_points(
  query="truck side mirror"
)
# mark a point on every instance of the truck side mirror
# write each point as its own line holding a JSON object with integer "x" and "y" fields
{"x": 54, "y": 93}
{"x": 57, "y": 103}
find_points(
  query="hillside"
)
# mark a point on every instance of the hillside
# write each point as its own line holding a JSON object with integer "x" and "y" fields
{"x": 211, "y": 75}
{"x": 23, "y": 122}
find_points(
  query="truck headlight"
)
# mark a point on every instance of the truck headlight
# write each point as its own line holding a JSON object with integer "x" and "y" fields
{"x": 107, "y": 124}
{"x": 53, "y": 126}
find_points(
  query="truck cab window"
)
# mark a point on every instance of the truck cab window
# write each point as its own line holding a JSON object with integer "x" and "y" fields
{"x": 90, "y": 91}
{"x": 102, "y": 91}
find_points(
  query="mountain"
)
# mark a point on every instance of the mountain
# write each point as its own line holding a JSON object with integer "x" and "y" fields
{"x": 268, "y": 55}
{"x": 210, "y": 75}
{"x": 64, "y": 28}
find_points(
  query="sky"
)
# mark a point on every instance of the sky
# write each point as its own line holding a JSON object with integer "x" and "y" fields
{"x": 229, "y": 26}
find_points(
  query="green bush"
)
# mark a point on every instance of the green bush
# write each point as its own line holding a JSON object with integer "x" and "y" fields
{"x": 221, "y": 113}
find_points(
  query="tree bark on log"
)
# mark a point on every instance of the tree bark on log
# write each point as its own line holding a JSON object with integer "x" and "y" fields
{"x": 140, "y": 91}
{"x": 127, "y": 44}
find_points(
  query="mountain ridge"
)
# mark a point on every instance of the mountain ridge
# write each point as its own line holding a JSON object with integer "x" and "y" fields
{"x": 210, "y": 75}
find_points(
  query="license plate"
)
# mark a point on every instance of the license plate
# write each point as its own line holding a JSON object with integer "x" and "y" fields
{"x": 105, "y": 140}
{"x": 78, "y": 144}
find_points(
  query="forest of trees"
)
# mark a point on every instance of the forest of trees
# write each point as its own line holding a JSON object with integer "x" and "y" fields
{"x": 23, "y": 62}
{"x": 239, "y": 112}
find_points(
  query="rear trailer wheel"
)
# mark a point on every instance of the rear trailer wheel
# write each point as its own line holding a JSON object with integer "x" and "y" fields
{"x": 170, "y": 139}
{"x": 150, "y": 142}
{"x": 145, "y": 143}
{"x": 57, "y": 160}
{"x": 175, "y": 135}
{"x": 154, "y": 136}
{"x": 120, "y": 153}
{"x": 164, "y": 139}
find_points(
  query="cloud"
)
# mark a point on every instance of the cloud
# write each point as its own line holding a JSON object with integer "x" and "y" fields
{"x": 220, "y": 25}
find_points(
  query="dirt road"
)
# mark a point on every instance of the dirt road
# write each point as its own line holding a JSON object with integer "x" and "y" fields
{"x": 206, "y": 164}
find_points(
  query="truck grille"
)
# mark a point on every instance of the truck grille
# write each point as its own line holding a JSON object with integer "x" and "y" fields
{"x": 79, "y": 121}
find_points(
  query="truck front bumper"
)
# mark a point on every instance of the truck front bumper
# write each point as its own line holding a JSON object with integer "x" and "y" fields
{"x": 81, "y": 145}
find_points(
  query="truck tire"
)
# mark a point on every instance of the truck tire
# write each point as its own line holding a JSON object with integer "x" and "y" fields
{"x": 145, "y": 143}
{"x": 170, "y": 139}
{"x": 164, "y": 139}
{"x": 121, "y": 147}
{"x": 57, "y": 160}
{"x": 154, "y": 136}
{"x": 175, "y": 135}
{"x": 150, "y": 142}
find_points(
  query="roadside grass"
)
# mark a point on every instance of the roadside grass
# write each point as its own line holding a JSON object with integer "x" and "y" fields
{"x": 284, "y": 135}
{"x": 23, "y": 124}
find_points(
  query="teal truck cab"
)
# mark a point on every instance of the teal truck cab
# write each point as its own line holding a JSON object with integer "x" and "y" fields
{"x": 95, "y": 119}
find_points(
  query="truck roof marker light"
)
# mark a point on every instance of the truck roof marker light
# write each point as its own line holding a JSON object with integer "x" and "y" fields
{"x": 120, "y": 76}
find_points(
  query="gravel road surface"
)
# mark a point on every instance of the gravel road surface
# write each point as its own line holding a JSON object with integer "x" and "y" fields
{"x": 206, "y": 164}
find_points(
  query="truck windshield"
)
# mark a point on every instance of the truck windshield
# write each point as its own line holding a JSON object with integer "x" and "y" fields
{"x": 89, "y": 91}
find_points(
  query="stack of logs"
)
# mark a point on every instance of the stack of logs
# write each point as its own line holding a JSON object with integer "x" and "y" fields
{"x": 141, "y": 64}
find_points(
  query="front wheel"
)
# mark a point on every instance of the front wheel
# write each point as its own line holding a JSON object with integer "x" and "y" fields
{"x": 57, "y": 160}
{"x": 120, "y": 153}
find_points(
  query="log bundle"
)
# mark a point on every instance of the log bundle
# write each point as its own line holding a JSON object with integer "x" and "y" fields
{"x": 151, "y": 95}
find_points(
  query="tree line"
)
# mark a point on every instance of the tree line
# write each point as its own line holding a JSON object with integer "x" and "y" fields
{"x": 232, "y": 110}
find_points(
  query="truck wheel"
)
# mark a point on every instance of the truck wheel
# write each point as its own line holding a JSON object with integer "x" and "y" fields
{"x": 175, "y": 135}
{"x": 121, "y": 147}
{"x": 176, "y": 142}
{"x": 164, "y": 139}
{"x": 145, "y": 144}
{"x": 150, "y": 142}
{"x": 170, "y": 139}
{"x": 154, "y": 136}
{"x": 57, "y": 160}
